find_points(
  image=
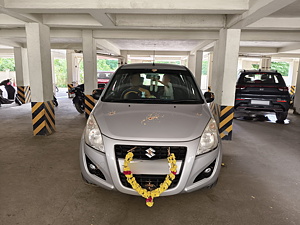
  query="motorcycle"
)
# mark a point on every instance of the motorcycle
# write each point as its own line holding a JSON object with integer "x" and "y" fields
{"x": 78, "y": 100}
{"x": 11, "y": 93}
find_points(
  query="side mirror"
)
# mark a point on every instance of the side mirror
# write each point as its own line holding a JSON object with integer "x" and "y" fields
{"x": 209, "y": 96}
{"x": 97, "y": 93}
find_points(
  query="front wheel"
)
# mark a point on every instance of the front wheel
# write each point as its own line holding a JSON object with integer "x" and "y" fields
{"x": 78, "y": 103}
{"x": 281, "y": 116}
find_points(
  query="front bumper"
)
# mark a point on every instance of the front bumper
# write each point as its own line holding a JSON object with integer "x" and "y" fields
{"x": 191, "y": 171}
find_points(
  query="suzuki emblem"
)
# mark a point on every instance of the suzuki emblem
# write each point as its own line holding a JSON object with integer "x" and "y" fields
{"x": 150, "y": 152}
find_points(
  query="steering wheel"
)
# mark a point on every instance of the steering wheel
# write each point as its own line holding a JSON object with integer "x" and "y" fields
{"x": 131, "y": 93}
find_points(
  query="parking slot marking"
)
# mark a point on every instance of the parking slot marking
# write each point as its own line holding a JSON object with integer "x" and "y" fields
{"x": 24, "y": 93}
{"x": 43, "y": 118}
{"x": 89, "y": 104}
{"x": 225, "y": 125}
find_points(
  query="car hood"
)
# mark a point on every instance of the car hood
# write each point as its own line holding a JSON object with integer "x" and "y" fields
{"x": 151, "y": 122}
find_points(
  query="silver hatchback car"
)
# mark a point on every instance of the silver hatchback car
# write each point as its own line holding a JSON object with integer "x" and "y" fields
{"x": 152, "y": 111}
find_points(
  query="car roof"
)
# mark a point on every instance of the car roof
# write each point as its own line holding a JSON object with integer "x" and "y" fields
{"x": 154, "y": 66}
{"x": 258, "y": 71}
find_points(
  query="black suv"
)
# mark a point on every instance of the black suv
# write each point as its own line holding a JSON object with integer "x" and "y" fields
{"x": 259, "y": 91}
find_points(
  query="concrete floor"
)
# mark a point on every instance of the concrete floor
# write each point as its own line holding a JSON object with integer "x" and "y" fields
{"x": 40, "y": 180}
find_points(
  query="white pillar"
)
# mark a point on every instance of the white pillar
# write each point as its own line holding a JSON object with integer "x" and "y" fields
{"x": 209, "y": 68}
{"x": 192, "y": 63}
{"x": 297, "y": 94}
{"x": 89, "y": 61}
{"x": 265, "y": 63}
{"x": 90, "y": 69}
{"x": 225, "y": 69}
{"x": 21, "y": 62}
{"x": 295, "y": 71}
{"x": 53, "y": 72}
{"x": 198, "y": 69}
{"x": 39, "y": 59}
{"x": 40, "y": 76}
{"x": 71, "y": 66}
{"x": 124, "y": 59}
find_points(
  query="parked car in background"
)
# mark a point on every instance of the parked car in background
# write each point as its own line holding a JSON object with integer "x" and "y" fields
{"x": 103, "y": 78}
{"x": 260, "y": 92}
{"x": 151, "y": 110}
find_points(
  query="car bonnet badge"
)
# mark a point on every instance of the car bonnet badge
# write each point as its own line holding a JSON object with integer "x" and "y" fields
{"x": 150, "y": 152}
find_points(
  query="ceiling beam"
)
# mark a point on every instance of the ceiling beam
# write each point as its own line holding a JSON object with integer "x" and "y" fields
{"x": 292, "y": 47}
{"x": 271, "y": 23}
{"x": 170, "y": 21}
{"x": 103, "y": 18}
{"x": 204, "y": 45}
{"x": 257, "y": 11}
{"x": 156, "y": 34}
{"x": 10, "y": 43}
{"x": 212, "y": 6}
{"x": 276, "y": 36}
{"x": 259, "y": 50}
{"x": 173, "y": 53}
{"x": 107, "y": 46}
{"x": 71, "y": 20}
{"x": 27, "y": 17}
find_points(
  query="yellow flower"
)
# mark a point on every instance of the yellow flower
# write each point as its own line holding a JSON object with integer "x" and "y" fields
{"x": 149, "y": 195}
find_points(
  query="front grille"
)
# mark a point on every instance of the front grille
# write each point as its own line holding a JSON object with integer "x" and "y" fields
{"x": 161, "y": 152}
{"x": 150, "y": 182}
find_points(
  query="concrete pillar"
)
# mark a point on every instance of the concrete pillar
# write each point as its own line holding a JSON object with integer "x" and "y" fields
{"x": 297, "y": 93}
{"x": 226, "y": 52}
{"x": 90, "y": 69}
{"x": 192, "y": 63}
{"x": 265, "y": 63}
{"x": 53, "y": 73}
{"x": 22, "y": 74}
{"x": 295, "y": 72}
{"x": 209, "y": 68}
{"x": 198, "y": 69}
{"x": 124, "y": 59}
{"x": 40, "y": 76}
{"x": 71, "y": 70}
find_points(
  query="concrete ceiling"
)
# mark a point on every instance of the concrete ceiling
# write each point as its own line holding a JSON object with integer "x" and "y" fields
{"x": 170, "y": 27}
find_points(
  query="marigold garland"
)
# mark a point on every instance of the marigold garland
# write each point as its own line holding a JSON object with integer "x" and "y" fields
{"x": 149, "y": 195}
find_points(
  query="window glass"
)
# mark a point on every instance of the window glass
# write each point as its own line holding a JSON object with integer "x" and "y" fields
{"x": 261, "y": 78}
{"x": 157, "y": 86}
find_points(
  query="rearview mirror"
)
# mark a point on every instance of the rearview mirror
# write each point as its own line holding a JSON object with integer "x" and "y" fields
{"x": 97, "y": 93}
{"x": 209, "y": 96}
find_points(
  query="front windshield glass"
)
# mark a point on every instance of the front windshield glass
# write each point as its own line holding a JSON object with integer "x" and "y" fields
{"x": 153, "y": 86}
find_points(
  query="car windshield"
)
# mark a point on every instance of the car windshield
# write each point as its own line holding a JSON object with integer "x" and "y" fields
{"x": 261, "y": 78}
{"x": 104, "y": 75}
{"x": 153, "y": 86}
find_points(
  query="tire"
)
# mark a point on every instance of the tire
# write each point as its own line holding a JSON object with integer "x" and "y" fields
{"x": 79, "y": 106}
{"x": 18, "y": 101}
{"x": 281, "y": 116}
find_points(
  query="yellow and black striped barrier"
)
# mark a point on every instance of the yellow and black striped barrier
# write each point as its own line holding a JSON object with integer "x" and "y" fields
{"x": 225, "y": 124}
{"x": 292, "y": 90}
{"x": 70, "y": 86}
{"x": 89, "y": 104}
{"x": 24, "y": 94}
{"x": 43, "y": 118}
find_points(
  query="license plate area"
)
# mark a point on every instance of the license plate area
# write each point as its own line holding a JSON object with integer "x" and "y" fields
{"x": 260, "y": 102}
{"x": 157, "y": 167}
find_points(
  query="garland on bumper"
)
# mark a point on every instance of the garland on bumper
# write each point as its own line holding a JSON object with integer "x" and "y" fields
{"x": 149, "y": 195}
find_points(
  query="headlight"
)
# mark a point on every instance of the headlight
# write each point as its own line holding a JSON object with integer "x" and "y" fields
{"x": 209, "y": 138}
{"x": 93, "y": 135}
